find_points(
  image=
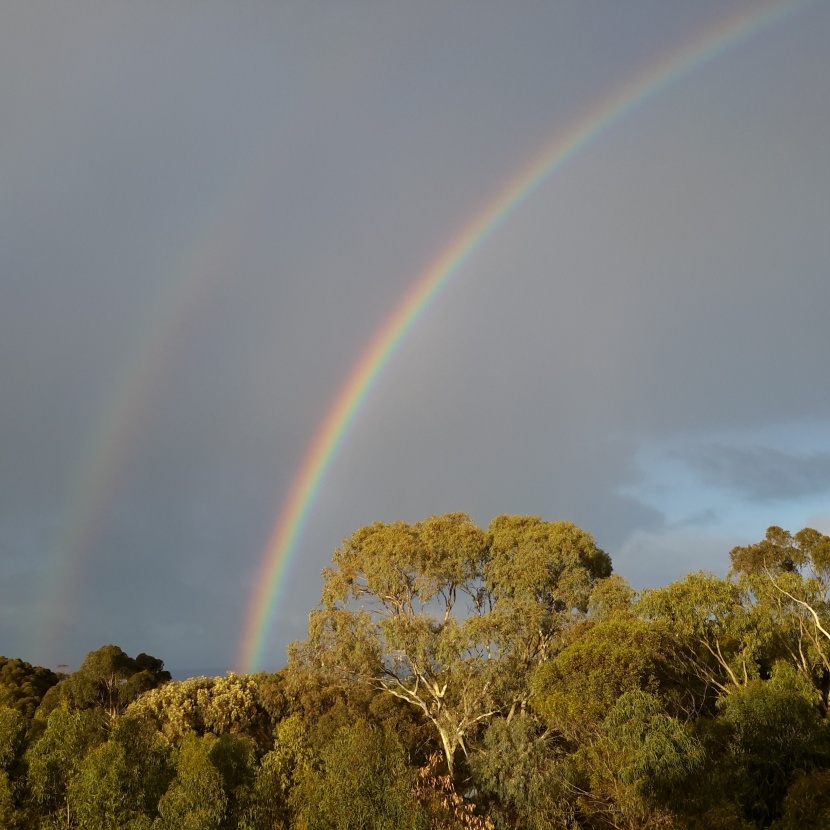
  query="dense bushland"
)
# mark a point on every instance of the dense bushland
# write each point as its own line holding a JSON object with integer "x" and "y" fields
{"x": 457, "y": 677}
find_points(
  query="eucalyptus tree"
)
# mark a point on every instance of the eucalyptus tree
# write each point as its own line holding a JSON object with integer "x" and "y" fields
{"x": 452, "y": 618}
{"x": 109, "y": 679}
{"x": 772, "y": 733}
{"x": 55, "y": 758}
{"x": 807, "y": 803}
{"x": 644, "y": 764}
{"x": 788, "y": 576}
{"x": 521, "y": 772}
{"x": 101, "y": 796}
{"x": 195, "y": 799}
{"x": 291, "y": 759}
{"x": 361, "y": 781}
{"x": 22, "y": 686}
{"x": 717, "y": 637}
{"x": 202, "y": 705}
{"x": 12, "y": 729}
{"x": 574, "y": 692}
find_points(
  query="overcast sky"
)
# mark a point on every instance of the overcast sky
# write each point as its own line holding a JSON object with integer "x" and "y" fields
{"x": 208, "y": 209}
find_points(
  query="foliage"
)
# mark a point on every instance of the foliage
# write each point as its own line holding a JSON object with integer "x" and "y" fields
{"x": 360, "y": 781}
{"x": 807, "y": 803}
{"x": 291, "y": 758}
{"x": 574, "y": 691}
{"x": 461, "y": 679}
{"x": 789, "y": 577}
{"x": 12, "y": 727}
{"x": 195, "y": 799}
{"x": 520, "y": 772}
{"x": 656, "y": 753}
{"x": 22, "y": 686}
{"x": 716, "y": 636}
{"x": 775, "y": 731}
{"x": 524, "y": 582}
{"x": 110, "y": 680}
{"x": 101, "y": 795}
{"x": 201, "y": 705}
{"x": 610, "y": 596}
{"x": 234, "y": 756}
{"x": 56, "y": 757}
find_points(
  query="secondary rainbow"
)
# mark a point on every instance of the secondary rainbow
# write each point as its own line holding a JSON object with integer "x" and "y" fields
{"x": 295, "y": 511}
{"x": 195, "y": 278}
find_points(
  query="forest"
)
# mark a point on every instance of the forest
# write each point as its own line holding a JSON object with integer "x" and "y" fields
{"x": 461, "y": 677}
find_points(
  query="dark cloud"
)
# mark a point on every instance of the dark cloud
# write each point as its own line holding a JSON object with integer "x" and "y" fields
{"x": 761, "y": 473}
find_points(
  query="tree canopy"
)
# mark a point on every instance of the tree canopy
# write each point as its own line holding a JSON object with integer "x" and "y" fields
{"x": 461, "y": 678}
{"x": 450, "y": 617}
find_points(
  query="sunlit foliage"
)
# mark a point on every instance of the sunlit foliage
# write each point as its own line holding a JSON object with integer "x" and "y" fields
{"x": 456, "y": 678}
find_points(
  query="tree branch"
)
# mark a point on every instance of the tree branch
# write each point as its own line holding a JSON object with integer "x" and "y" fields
{"x": 802, "y": 603}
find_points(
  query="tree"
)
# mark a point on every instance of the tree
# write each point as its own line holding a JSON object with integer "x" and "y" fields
{"x": 195, "y": 799}
{"x": 610, "y": 696}
{"x": 656, "y": 755}
{"x": 807, "y": 804}
{"x": 789, "y": 577}
{"x": 775, "y": 730}
{"x": 12, "y": 730}
{"x": 110, "y": 680}
{"x": 362, "y": 783}
{"x": 12, "y": 727}
{"x": 100, "y": 796}
{"x": 575, "y": 691}
{"x": 234, "y": 756}
{"x": 451, "y": 618}
{"x": 54, "y": 759}
{"x": 520, "y": 774}
{"x": 7, "y": 806}
{"x": 716, "y": 637}
{"x": 291, "y": 758}
{"x": 201, "y": 705}
{"x": 22, "y": 686}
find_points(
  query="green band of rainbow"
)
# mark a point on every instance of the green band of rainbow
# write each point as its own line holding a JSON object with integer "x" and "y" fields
{"x": 292, "y": 519}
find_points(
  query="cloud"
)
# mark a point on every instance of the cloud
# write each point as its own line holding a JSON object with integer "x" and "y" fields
{"x": 656, "y": 558}
{"x": 761, "y": 473}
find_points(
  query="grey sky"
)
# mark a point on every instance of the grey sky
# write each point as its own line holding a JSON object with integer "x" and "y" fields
{"x": 207, "y": 209}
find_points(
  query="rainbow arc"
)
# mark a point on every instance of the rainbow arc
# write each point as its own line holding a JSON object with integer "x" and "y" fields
{"x": 273, "y": 571}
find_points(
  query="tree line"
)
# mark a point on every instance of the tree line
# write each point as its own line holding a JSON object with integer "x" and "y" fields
{"x": 459, "y": 677}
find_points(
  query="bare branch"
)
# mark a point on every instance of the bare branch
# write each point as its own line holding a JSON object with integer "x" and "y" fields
{"x": 800, "y": 602}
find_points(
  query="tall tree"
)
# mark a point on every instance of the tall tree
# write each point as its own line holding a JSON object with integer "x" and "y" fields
{"x": 55, "y": 758}
{"x": 775, "y": 731}
{"x": 99, "y": 795}
{"x": 574, "y": 691}
{"x": 110, "y": 680}
{"x": 449, "y": 617}
{"x": 788, "y": 575}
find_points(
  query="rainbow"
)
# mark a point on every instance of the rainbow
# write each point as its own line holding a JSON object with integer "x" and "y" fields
{"x": 113, "y": 442}
{"x": 293, "y": 516}
{"x": 196, "y": 276}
